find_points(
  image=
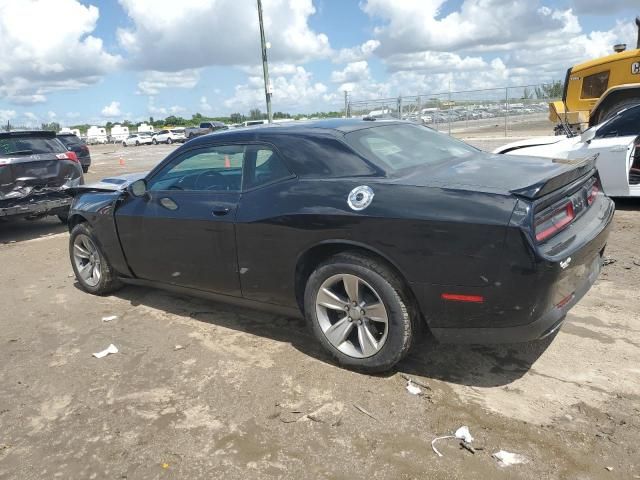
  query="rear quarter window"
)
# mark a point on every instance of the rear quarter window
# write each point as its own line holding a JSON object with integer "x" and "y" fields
{"x": 399, "y": 146}
{"x": 323, "y": 156}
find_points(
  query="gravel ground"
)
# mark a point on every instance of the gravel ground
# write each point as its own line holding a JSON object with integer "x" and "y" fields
{"x": 251, "y": 395}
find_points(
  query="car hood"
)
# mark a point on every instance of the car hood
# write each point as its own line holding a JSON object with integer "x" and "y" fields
{"x": 110, "y": 184}
{"x": 530, "y": 177}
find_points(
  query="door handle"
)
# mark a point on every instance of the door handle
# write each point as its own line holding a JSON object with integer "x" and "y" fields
{"x": 221, "y": 211}
{"x": 169, "y": 204}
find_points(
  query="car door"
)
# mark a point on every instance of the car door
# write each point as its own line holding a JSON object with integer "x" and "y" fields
{"x": 613, "y": 143}
{"x": 182, "y": 232}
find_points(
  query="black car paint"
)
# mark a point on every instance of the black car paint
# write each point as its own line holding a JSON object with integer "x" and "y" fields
{"x": 78, "y": 146}
{"x": 34, "y": 185}
{"x": 448, "y": 228}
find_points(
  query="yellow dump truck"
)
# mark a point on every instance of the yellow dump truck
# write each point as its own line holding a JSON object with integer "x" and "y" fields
{"x": 598, "y": 89}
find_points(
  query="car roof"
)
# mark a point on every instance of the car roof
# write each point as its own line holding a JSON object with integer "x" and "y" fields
{"x": 300, "y": 127}
{"x": 28, "y": 133}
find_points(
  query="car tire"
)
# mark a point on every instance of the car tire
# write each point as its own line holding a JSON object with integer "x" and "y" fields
{"x": 64, "y": 218}
{"x": 124, "y": 144}
{"x": 137, "y": 143}
{"x": 169, "y": 141}
{"x": 91, "y": 256}
{"x": 85, "y": 168}
{"x": 377, "y": 285}
{"x": 154, "y": 141}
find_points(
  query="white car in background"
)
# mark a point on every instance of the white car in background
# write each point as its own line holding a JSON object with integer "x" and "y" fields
{"x": 137, "y": 139}
{"x": 616, "y": 141}
{"x": 169, "y": 136}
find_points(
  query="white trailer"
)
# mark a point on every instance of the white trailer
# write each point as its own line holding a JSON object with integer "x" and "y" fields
{"x": 144, "y": 128}
{"x": 119, "y": 133}
{"x": 96, "y": 135}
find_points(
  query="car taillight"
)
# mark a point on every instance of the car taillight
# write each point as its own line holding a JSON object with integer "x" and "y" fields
{"x": 68, "y": 156}
{"x": 593, "y": 193}
{"x": 550, "y": 224}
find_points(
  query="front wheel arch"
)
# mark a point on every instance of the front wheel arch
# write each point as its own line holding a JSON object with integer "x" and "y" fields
{"x": 313, "y": 257}
{"x": 74, "y": 220}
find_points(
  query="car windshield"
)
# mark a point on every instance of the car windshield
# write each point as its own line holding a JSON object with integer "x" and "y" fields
{"x": 29, "y": 145}
{"x": 400, "y": 146}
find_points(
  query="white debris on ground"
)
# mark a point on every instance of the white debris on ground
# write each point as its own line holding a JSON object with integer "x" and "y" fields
{"x": 413, "y": 389}
{"x": 461, "y": 433}
{"x": 109, "y": 350}
{"x": 109, "y": 318}
{"x": 507, "y": 459}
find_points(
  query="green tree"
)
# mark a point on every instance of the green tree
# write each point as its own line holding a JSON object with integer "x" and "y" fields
{"x": 255, "y": 114}
{"x": 550, "y": 90}
{"x": 236, "y": 118}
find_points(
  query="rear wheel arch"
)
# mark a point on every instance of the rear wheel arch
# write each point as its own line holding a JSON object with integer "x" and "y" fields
{"x": 318, "y": 254}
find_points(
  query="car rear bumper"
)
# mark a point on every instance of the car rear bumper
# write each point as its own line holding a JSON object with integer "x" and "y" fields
{"x": 528, "y": 304}
{"x": 544, "y": 326}
{"x": 40, "y": 205}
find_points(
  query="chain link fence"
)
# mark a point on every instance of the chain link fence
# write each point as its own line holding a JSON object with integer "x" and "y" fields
{"x": 495, "y": 112}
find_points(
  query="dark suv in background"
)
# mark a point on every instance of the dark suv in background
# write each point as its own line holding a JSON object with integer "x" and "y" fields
{"x": 36, "y": 169}
{"x": 75, "y": 144}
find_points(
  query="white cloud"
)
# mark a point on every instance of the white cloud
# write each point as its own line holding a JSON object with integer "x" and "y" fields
{"x": 52, "y": 115}
{"x": 46, "y": 51}
{"x": 195, "y": 33}
{"x": 153, "y": 82}
{"x": 598, "y": 6}
{"x": 434, "y": 62}
{"x": 353, "y": 72}
{"x": 354, "y": 54}
{"x": 154, "y": 109}
{"x": 6, "y": 115}
{"x": 177, "y": 110}
{"x": 112, "y": 110}
{"x": 204, "y": 105}
{"x": 290, "y": 93}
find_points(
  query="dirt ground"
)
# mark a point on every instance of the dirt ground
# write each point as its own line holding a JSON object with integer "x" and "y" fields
{"x": 251, "y": 395}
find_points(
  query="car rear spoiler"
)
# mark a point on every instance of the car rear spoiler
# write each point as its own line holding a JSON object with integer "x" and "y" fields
{"x": 581, "y": 167}
{"x": 28, "y": 133}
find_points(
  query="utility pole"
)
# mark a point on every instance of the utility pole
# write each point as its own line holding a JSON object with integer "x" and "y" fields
{"x": 265, "y": 66}
{"x": 346, "y": 104}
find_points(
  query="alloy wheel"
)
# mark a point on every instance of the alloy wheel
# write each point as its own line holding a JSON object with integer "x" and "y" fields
{"x": 87, "y": 260}
{"x": 352, "y": 315}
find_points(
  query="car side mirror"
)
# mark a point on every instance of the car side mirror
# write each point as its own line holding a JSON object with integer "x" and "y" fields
{"x": 138, "y": 188}
{"x": 588, "y": 135}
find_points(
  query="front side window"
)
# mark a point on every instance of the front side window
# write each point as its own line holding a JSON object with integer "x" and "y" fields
{"x": 216, "y": 168}
{"x": 400, "y": 146}
{"x": 594, "y": 85}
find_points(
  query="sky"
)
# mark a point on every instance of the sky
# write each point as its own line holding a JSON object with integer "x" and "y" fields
{"x": 94, "y": 61}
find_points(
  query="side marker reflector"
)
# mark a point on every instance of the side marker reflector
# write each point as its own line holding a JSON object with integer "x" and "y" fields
{"x": 454, "y": 297}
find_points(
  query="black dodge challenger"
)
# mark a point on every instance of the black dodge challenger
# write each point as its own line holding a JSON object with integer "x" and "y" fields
{"x": 369, "y": 228}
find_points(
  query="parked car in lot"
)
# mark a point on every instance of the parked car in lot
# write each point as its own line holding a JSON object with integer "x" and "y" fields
{"x": 169, "y": 136}
{"x": 137, "y": 139}
{"x": 79, "y": 147}
{"x": 204, "y": 128}
{"x": 369, "y": 228}
{"x": 615, "y": 142}
{"x": 36, "y": 170}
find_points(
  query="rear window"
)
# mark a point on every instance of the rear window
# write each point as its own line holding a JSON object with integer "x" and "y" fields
{"x": 29, "y": 146}
{"x": 401, "y": 146}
